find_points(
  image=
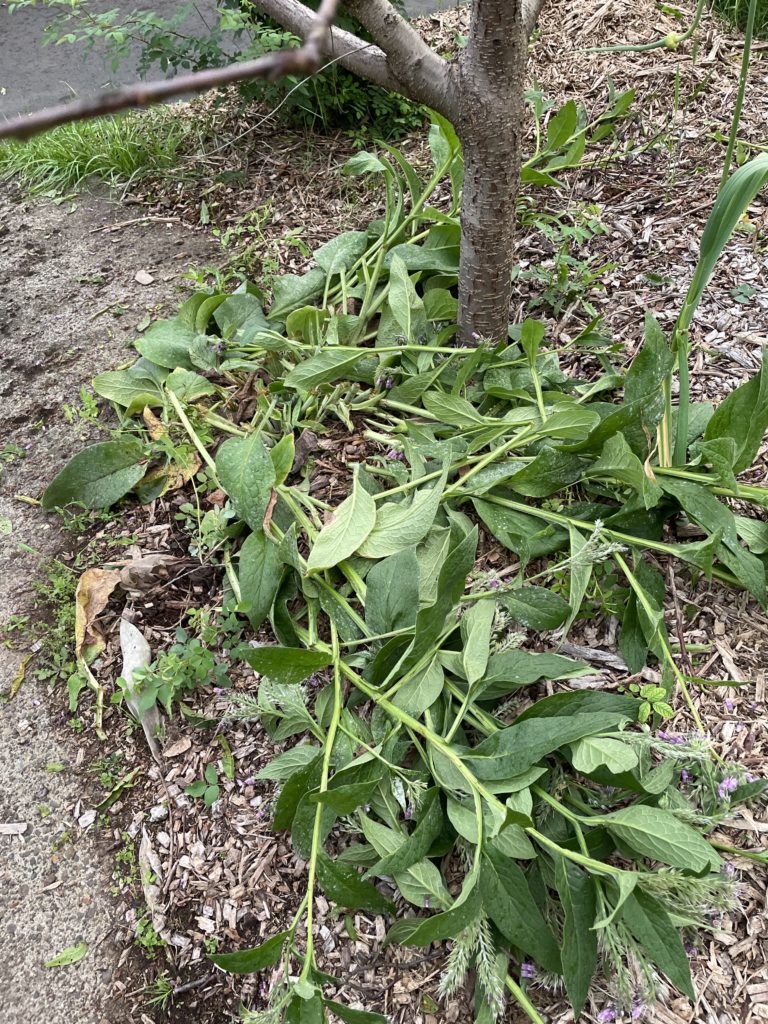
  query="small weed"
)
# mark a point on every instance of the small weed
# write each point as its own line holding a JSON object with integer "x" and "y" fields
{"x": 208, "y": 787}
{"x": 56, "y": 593}
{"x": 147, "y": 938}
{"x": 87, "y": 411}
{"x": 109, "y": 769}
{"x": 126, "y": 873}
{"x": 11, "y": 453}
{"x": 159, "y": 992}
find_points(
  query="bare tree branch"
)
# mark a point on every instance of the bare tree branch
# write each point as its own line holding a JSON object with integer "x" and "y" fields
{"x": 364, "y": 59}
{"x": 422, "y": 74}
{"x": 321, "y": 41}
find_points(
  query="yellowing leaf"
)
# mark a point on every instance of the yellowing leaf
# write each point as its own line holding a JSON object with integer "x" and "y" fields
{"x": 155, "y": 425}
{"x": 93, "y": 591}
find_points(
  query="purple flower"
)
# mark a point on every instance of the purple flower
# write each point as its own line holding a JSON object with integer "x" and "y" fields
{"x": 690, "y": 949}
{"x": 749, "y": 777}
{"x": 728, "y": 870}
{"x": 727, "y": 786}
{"x": 393, "y": 453}
{"x": 408, "y": 812}
{"x": 527, "y": 971}
{"x": 728, "y": 704}
{"x": 637, "y": 1011}
{"x": 685, "y": 776}
{"x": 389, "y": 383}
{"x": 669, "y": 737}
{"x": 494, "y": 584}
{"x": 606, "y": 1016}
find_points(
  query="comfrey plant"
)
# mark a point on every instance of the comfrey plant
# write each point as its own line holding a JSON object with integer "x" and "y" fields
{"x": 556, "y": 836}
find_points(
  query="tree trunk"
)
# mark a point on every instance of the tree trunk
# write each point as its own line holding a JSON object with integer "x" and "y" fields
{"x": 491, "y": 82}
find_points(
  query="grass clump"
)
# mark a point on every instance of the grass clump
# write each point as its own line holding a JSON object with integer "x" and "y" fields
{"x": 736, "y": 12}
{"x": 116, "y": 150}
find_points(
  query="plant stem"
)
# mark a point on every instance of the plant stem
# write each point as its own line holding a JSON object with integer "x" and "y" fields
{"x": 743, "y": 75}
{"x": 204, "y": 453}
{"x": 309, "y": 957}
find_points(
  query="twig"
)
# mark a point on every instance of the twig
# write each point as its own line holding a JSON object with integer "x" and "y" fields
{"x": 190, "y": 985}
{"x": 135, "y": 220}
{"x": 303, "y": 60}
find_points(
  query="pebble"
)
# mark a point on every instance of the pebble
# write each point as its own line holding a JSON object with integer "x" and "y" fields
{"x": 158, "y": 813}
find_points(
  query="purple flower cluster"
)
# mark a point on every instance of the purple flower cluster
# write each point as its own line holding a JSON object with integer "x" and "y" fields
{"x": 727, "y": 786}
{"x": 527, "y": 971}
{"x": 670, "y": 737}
{"x": 606, "y": 1016}
{"x": 393, "y": 453}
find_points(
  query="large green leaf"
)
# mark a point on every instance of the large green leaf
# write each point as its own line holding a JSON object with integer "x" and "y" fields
{"x": 523, "y": 744}
{"x": 247, "y": 961}
{"x": 132, "y": 388}
{"x": 658, "y": 835}
{"x": 342, "y": 884}
{"x": 401, "y": 525}
{"x": 290, "y": 292}
{"x": 508, "y": 902}
{"x": 392, "y": 593}
{"x": 286, "y": 665}
{"x": 420, "y": 880}
{"x": 260, "y": 570}
{"x": 452, "y": 409}
{"x": 293, "y": 791}
{"x": 404, "y": 302}
{"x": 592, "y": 752}
{"x": 97, "y": 476}
{"x": 350, "y": 1016}
{"x": 341, "y": 251}
{"x": 535, "y": 607}
{"x": 422, "y": 690}
{"x": 743, "y": 417}
{"x": 649, "y": 923}
{"x": 418, "y": 844}
{"x": 246, "y": 473}
{"x": 521, "y": 533}
{"x": 510, "y": 669}
{"x": 476, "y": 628}
{"x": 430, "y": 621}
{"x": 550, "y": 471}
{"x": 168, "y": 343}
{"x": 421, "y": 931}
{"x": 352, "y": 522}
{"x": 582, "y": 702}
{"x": 579, "y": 950}
{"x": 327, "y": 366}
{"x": 618, "y": 462}
{"x": 241, "y": 318}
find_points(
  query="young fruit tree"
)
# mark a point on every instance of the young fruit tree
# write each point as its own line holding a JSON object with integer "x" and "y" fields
{"x": 480, "y": 93}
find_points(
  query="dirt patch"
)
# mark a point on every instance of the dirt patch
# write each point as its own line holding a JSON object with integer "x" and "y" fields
{"x": 69, "y": 305}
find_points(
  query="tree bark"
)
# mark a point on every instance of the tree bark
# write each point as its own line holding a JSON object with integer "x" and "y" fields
{"x": 491, "y": 81}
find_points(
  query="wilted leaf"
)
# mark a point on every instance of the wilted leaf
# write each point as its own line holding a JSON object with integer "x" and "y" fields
{"x": 91, "y": 597}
